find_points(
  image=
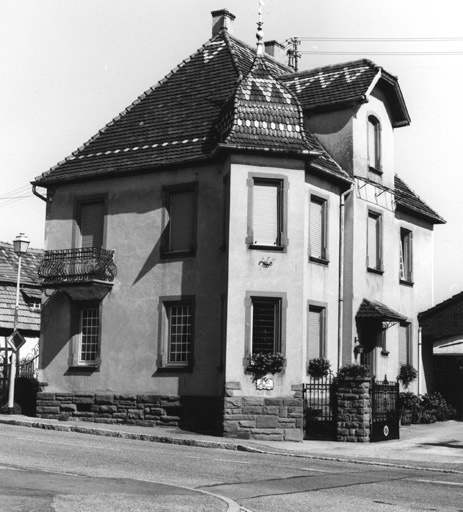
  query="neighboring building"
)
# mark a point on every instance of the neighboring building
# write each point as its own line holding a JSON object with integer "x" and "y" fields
{"x": 442, "y": 341}
{"x": 29, "y": 300}
{"x": 248, "y": 209}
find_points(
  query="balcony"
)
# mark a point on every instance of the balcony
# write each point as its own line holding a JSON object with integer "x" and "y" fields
{"x": 84, "y": 274}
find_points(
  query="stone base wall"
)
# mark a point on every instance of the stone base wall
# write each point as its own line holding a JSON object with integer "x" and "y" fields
{"x": 191, "y": 413}
{"x": 354, "y": 411}
{"x": 265, "y": 418}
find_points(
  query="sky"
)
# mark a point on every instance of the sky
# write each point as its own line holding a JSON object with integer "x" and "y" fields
{"x": 68, "y": 67}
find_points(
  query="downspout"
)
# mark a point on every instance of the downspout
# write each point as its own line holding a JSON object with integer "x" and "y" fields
{"x": 344, "y": 196}
{"x": 420, "y": 362}
{"x": 40, "y": 196}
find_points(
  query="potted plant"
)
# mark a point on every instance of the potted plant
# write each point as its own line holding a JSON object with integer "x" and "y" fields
{"x": 407, "y": 374}
{"x": 261, "y": 364}
{"x": 354, "y": 371}
{"x": 318, "y": 368}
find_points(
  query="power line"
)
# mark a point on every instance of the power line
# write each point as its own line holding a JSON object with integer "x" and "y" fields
{"x": 384, "y": 39}
{"x": 343, "y": 52}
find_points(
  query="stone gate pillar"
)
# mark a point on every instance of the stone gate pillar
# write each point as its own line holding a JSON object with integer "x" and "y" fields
{"x": 354, "y": 410}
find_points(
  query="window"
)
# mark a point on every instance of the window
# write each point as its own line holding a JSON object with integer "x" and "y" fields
{"x": 316, "y": 332}
{"x": 404, "y": 343}
{"x": 374, "y": 144}
{"x": 89, "y": 335}
{"x": 374, "y": 242}
{"x": 318, "y": 239}
{"x": 85, "y": 349}
{"x": 406, "y": 256}
{"x": 91, "y": 223}
{"x": 267, "y": 213}
{"x": 178, "y": 326}
{"x": 265, "y": 323}
{"x": 179, "y": 235}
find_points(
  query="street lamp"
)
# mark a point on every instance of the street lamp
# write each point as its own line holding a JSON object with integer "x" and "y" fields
{"x": 20, "y": 246}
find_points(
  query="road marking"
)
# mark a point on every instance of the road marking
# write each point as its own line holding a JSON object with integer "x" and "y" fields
{"x": 256, "y": 464}
{"x": 439, "y": 482}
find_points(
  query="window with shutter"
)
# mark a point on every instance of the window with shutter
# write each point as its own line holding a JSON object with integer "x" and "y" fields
{"x": 316, "y": 332}
{"x": 404, "y": 343}
{"x": 179, "y": 235}
{"x": 374, "y": 241}
{"x": 318, "y": 228}
{"x": 91, "y": 224}
{"x": 374, "y": 144}
{"x": 267, "y": 212}
{"x": 406, "y": 256}
{"x": 266, "y": 215}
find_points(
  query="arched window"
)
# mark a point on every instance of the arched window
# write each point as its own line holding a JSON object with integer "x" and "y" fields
{"x": 374, "y": 143}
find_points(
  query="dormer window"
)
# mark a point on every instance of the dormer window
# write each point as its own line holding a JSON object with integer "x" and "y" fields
{"x": 374, "y": 144}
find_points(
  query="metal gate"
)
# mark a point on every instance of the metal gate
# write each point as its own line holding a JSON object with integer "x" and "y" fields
{"x": 385, "y": 411}
{"x": 320, "y": 408}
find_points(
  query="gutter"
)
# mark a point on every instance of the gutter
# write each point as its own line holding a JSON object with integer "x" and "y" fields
{"x": 40, "y": 196}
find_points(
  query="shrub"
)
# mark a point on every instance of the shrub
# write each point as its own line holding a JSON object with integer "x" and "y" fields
{"x": 407, "y": 374}
{"x": 260, "y": 364}
{"x": 318, "y": 367}
{"x": 437, "y": 407}
{"x": 354, "y": 370}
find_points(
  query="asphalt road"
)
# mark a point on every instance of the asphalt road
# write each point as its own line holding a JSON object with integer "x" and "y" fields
{"x": 63, "y": 471}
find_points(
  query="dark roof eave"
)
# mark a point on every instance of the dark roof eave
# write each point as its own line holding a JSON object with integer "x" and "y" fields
{"x": 438, "y": 307}
{"x": 328, "y": 172}
{"x": 435, "y": 219}
{"x": 115, "y": 173}
{"x": 337, "y": 105}
{"x": 265, "y": 151}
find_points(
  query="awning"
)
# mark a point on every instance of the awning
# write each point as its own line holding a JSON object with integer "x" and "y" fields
{"x": 377, "y": 311}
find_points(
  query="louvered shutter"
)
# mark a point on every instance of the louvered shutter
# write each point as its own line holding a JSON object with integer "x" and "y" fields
{"x": 316, "y": 227}
{"x": 92, "y": 224}
{"x": 265, "y": 222}
{"x": 315, "y": 333}
{"x": 182, "y": 221}
{"x": 371, "y": 241}
{"x": 403, "y": 344}
{"x": 265, "y": 326}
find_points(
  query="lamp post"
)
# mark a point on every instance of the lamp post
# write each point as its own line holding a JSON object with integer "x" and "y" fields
{"x": 20, "y": 246}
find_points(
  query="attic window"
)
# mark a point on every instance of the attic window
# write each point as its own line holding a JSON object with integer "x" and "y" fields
{"x": 374, "y": 144}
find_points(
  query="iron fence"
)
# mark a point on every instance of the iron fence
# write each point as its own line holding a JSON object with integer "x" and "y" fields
{"x": 320, "y": 408}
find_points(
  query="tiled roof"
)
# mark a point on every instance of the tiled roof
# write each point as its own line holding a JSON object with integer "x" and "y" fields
{"x": 264, "y": 114}
{"x": 379, "y": 311}
{"x": 28, "y": 318}
{"x": 30, "y": 262}
{"x": 407, "y": 199}
{"x": 331, "y": 86}
{"x": 177, "y": 120}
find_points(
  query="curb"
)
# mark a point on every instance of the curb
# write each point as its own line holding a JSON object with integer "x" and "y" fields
{"x": 212, "y": 444}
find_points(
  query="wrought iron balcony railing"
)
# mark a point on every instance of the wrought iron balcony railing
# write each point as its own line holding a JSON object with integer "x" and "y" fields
{"x": 77, "y": 266}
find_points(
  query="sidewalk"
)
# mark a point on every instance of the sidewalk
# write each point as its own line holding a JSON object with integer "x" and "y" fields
{"x": 437, "y": 446}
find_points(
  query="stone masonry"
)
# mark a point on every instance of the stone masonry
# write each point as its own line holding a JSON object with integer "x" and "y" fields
{"x": 354, "y": 410}
{"x": 265, "y": 418}
{"x": 143, "y": 410}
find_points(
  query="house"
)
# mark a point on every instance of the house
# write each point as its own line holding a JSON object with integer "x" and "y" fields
{"x": 237, "y": 207}
{"x": 29, "y": 301}
{"x": 442, "y": 341}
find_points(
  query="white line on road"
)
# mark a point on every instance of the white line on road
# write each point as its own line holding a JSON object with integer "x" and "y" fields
{"x": 438, "y": 482}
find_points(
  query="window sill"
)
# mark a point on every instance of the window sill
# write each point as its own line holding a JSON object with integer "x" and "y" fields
{"x": 405, "y": 282}
{"x": 84, "y": 368}
{"x": 379, "y": 172}
{"x": 378, "y": 271}
{"x": 177, "y": 255}
{"x": 280, "y": 248}
{"x": 320, "y": 261}
{"x": 175, "y": 369}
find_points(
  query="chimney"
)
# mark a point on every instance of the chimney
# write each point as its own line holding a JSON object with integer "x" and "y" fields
{"x": 276, "y": 50}
{"x": 222, "y": 20}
